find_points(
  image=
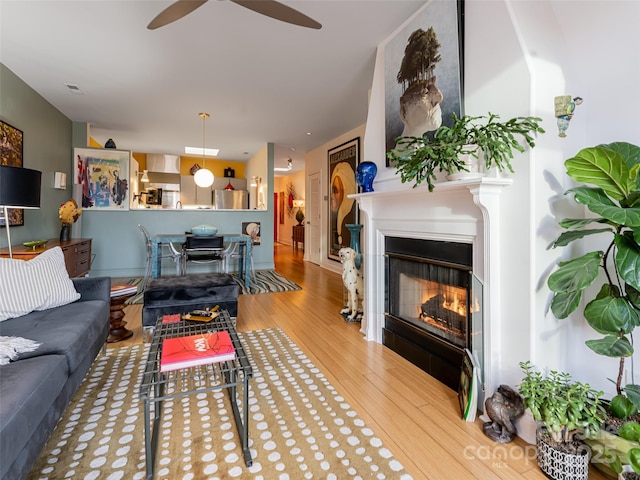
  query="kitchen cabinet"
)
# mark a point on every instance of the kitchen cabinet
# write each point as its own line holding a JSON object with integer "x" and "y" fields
{"x": 191, "y": 194}
{"x": 189, "y": 189}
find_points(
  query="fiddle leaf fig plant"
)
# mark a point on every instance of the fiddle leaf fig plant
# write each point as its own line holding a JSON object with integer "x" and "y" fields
{"x": 611, "y": 191}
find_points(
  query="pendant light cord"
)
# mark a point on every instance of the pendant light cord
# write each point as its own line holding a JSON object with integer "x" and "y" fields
{"x": 204, "y": 116}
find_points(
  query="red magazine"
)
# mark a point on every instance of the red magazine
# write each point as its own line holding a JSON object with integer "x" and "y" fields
{"x": 193, "y": 350}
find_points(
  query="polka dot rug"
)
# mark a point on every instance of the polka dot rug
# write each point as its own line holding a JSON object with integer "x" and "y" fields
{"x": 299, "y": 425}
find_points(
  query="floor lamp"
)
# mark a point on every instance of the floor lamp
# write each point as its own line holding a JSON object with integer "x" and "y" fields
{"x": 19, "y": 188}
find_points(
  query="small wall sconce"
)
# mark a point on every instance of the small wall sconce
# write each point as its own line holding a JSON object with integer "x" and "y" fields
{"x": 60, "y": 180}
{"x": 145, "y": 177}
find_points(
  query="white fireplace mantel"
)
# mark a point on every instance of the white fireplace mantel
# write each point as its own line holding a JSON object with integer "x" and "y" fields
{"x": 466, "y": 211}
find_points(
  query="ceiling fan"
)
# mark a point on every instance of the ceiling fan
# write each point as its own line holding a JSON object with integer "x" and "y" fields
{"x": 270, "y": 8}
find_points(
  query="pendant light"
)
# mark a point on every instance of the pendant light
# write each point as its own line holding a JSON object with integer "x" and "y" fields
{"x": 203, "y": 177}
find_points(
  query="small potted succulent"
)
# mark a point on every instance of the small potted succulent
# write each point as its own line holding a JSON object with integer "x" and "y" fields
{"x": 567, "y": 412}
{"x": 457, "y": 148}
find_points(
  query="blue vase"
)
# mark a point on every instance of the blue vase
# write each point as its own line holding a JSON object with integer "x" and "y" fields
{"x": 365, "y": 173}
{"x": 354, "y": 229}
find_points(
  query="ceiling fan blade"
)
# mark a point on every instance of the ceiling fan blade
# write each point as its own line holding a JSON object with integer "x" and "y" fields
{"x": 281, "y": 12}
{"x": 175, "y": 12}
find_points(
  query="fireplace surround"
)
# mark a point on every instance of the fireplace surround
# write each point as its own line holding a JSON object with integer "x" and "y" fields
{"x": 463, "y": 211}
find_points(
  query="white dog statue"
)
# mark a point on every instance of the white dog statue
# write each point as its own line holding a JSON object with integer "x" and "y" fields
{"x": 352, "y": 279}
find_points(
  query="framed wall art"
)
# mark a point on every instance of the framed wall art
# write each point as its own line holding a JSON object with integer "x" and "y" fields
{"x": 423, "y": 73}
{"x": 281, "y": 207}
{"x": 11, "y": 141}
{"x": 104, "y": 176}
{"x": 253, "y": 230}
{"x": 343, "y": 161}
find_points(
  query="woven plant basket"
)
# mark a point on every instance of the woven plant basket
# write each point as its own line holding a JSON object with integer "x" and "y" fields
{"x": 559, "y": 465}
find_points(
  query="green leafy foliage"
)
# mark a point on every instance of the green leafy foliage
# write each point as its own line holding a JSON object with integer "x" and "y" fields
{"x": 563, "y": 406}
{"x": 634, "y": 459}
{"x": 418, "y": 159}
{"x": 630, "y": 431}
{"x": 611, "y": 190}
{"x": 604, "y": 168}
{"x": 622, "y": 407}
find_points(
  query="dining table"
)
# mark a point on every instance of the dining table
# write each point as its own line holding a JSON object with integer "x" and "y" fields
{"x": 244, "y": 242}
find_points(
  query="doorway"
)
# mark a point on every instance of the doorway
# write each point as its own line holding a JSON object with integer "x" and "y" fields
{"x": 314, "y": 201}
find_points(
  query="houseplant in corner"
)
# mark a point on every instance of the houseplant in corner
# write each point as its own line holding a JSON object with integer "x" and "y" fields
{"x": 567, "y": 412}
{"x": 451, "y": 148}
{"x": 611, "y": 190}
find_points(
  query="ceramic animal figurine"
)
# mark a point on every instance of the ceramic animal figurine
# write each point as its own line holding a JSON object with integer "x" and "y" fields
{"x": 352, "y": 279}
{"x": 503, "y": 407}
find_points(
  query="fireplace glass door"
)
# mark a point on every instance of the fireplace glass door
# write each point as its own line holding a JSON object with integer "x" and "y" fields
{"x": 432, "y": 297}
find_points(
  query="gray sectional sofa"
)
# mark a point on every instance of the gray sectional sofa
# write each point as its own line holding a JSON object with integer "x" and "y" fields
{"x": 36, "y": 388}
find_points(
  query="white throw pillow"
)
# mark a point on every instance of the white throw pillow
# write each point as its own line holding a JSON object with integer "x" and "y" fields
{"x": 37, "y": 284}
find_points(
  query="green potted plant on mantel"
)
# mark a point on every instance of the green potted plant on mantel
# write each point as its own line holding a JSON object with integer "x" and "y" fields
{"x": 611, "y": 191}
{"x": 567, "y": 411}
{"x": 457, "y": 148}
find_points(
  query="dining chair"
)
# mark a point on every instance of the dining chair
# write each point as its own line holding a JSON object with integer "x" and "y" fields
{"x": 173, "y": 254}
{"x": 203, "y": 249}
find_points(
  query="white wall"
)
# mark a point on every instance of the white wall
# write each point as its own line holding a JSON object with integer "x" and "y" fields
{"x": 317, "y": 161}
{"x": 518, "y": 56}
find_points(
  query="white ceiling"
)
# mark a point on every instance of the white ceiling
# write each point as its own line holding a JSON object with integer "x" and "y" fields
{"x": 260, "y": 79}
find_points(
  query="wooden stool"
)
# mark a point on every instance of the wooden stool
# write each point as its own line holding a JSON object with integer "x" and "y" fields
{"x": 117, "y": 330}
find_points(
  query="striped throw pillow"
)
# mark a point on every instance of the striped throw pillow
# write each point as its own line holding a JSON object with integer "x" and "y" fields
{"x": 37, "y": 284}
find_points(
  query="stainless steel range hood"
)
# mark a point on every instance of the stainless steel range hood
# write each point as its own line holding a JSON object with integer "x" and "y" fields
{"x": 163, "y": 163}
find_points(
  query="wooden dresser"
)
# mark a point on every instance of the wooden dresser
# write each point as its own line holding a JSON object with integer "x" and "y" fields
{"x": 298, "y": 235}
{"x": 77, "y": 254}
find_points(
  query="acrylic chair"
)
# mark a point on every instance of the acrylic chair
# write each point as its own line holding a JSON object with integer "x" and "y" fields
{"x": 173, "y": 254}
{"x": 203, "y": 249}
{"x": 234, "y": 252}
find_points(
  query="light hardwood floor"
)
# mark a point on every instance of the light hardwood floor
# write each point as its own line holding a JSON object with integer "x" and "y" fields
{"x": 415, "y": 416}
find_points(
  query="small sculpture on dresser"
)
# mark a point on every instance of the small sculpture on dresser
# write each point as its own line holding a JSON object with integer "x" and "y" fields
{"x": 68, "y": 213}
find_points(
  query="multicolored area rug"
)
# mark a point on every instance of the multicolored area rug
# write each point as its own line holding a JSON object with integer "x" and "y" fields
{"x": 300, "y": 427}
{"x": 266, "y": 281}
{"x": 263, "y": 281}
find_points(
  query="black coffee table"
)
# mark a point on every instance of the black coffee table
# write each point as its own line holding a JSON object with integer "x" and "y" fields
{"x": 157, "y": 387}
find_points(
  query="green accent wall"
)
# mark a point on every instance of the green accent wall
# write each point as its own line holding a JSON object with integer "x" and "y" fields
{"x": 47, "y": 147}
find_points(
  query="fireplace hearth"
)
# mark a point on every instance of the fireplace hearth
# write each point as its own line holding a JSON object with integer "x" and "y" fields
{"x": 431, "y": 302}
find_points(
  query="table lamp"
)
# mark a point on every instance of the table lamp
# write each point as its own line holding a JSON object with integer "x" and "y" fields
{"x": 19, "y": 188}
